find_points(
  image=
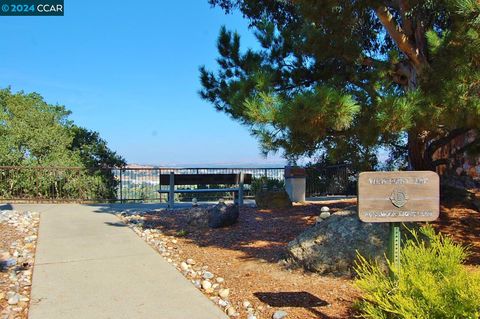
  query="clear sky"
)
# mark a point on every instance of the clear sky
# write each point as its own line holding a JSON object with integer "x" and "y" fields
{"x": 129, "y": 70}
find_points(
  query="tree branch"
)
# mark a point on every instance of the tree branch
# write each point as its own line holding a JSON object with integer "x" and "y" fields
{"x": 404, "y": 7}
{"x": 399, "y": 37}
{"x": 436, "y": 144}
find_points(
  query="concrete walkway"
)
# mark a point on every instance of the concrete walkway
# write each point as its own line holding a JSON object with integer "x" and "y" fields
{"x": 89, "y": 265}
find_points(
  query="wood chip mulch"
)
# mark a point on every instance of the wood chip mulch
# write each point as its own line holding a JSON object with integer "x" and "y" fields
{"x": 249, "y": 256}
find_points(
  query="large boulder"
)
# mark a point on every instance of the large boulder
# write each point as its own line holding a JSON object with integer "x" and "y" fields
{"x": 330, "y": 246}
{"x": 222, "y": 215}
{"x": 197, "y": 217}
{"x": 266, "y": 199}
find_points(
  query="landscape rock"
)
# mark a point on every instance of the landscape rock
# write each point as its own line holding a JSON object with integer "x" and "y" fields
{"x": 222, "y": 215}
{"x": 206, "y": 284}
{"x": 230, "y": 311}
{"x": 331, "y": 246}
{"x": 266, "y": 199}
{"x": 223, "y": 293}
{"x": 222, "y": 303}
{"x": 279, "y": 314}
{"x": 324, "y": 215}
{"x": 13, "y": 300}
{"x": 197, "y": 217}
{"x": 207, "y": 275}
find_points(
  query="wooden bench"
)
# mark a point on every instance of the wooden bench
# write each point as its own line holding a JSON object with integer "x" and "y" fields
{"x": 173, "y": 179}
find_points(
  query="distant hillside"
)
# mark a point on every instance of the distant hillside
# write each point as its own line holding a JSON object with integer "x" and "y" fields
{"x": 211, "y": 165}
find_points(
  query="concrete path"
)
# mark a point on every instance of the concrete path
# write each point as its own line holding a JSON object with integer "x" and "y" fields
{"x": 89, "y": 265}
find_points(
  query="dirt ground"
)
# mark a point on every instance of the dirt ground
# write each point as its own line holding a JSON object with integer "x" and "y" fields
{"x": 249, "y": 256}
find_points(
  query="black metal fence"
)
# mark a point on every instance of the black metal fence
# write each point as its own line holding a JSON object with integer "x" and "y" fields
{"x": 331, "y": 180}
{"x": 75, "y": 184}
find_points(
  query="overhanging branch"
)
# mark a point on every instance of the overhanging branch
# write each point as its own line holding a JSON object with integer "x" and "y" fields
{"x": 399, "y": 37}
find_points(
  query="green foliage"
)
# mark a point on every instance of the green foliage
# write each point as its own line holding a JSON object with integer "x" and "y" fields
{"x": 35, "y": 133}
{"x": 265, "y": 183}
{"x": 331, "y": 75}
{"x": 431, "y": 282}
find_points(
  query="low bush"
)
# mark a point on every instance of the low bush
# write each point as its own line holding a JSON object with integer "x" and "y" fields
{"x": 431, "y": 282}
{"x": 265, "y": 183}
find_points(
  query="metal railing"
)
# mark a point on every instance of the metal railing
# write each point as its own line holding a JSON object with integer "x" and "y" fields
{"x": 330, "y": 180}
{"x": 75, "y": 184}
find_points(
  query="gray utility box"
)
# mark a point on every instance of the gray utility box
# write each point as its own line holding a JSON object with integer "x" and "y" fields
{"x": 295, "y": 183}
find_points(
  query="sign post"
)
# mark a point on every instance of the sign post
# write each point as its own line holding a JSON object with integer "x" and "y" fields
{"x": 397, "y": 197}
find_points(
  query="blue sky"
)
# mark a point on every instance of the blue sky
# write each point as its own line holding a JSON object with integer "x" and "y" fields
{"x": 130, "y": 72}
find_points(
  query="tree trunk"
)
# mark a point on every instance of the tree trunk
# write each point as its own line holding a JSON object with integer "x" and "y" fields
{"x": 417, "y": 160}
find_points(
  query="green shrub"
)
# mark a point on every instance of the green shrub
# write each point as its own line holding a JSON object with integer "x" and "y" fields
{"x": 431, "y": 282}
{"x": 266, "y": 183}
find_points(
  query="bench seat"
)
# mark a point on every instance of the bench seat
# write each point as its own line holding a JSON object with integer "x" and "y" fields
{"x": 203, "y": 179}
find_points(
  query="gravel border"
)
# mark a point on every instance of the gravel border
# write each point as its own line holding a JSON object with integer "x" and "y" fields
{"x": 16, "y": 264}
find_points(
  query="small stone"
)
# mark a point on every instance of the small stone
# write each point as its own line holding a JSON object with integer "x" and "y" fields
{"x": 2, "y": 295}
{"x": 279, "y": 314}
{"x": 13, "y": 300}
{"x": 223, "y": 293}
{"x": 324, "y": 215}
{"x": 230, "y": 311}
{"x": 220, "y": 280}
{"x": 222, "y": 303}
{"x": 197, "y": 283}
{"x": 190, "y": 261}
{"x": 8, "y": 262}
{"x": 174, "y": 241}
{"x": 251, "y": 316}
{"x": 246, "y": 304}
{"x": 209, "y": 290}
{"x": 169, "y": 260}
{"x": 184, "y": 266}
{"x": 206, "y": 284}
{"x": 207, "y": 275}
{"x": 324, "y": 209}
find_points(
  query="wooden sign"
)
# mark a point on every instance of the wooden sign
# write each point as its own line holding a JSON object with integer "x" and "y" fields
{"x": 409, "y": 196}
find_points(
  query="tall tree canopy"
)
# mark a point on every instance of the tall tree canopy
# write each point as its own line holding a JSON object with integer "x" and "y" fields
{"x": 343, "y": 77}
{"x": 35, "y": 133}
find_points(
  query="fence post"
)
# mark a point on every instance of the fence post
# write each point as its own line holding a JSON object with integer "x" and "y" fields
{"x": 160, "y": 184}
{"x": 240, "y": 190}
{"x": 121, "y": 187}
{"x": 171, "y": 193}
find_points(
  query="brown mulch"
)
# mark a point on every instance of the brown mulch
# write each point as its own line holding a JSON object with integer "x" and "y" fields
{"x": 462, "y": 224}
{"x": 248, "y": 255}
{"x": 9, "y": 236}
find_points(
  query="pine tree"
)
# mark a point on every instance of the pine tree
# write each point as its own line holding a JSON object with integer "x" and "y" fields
{"x": 339, "y": 77}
